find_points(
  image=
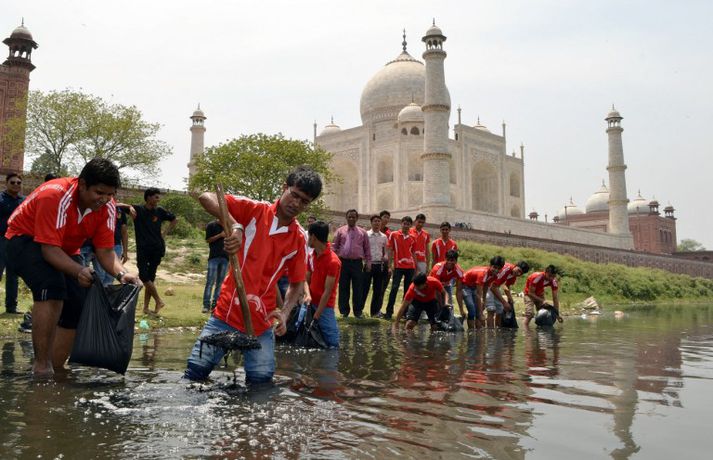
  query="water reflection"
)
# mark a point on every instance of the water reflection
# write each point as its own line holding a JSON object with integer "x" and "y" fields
{"x": 589, "y": 388}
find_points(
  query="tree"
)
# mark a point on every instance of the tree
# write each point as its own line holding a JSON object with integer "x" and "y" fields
{"x": 256, "y": 165}
{"x": 65, "y": 129}
{"x": 688, "y": 244}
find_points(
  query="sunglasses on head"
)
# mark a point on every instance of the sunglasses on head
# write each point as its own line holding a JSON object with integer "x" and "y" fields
{"x": 15, "y": 182}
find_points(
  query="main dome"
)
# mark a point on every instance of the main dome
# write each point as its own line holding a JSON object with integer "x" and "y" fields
{"x": 399, "y": 83}
{"x": 599, "y": 201}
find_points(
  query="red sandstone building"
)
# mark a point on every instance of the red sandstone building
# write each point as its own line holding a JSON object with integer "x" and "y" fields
{"x": 14, "y": 84}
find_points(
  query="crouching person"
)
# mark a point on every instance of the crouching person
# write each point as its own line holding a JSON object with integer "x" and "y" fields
{"x": 273, "y": 242}
{"x": 322, "y": 280}
{"x": 425, "y": 294}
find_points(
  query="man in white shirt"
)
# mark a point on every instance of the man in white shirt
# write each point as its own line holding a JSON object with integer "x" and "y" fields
{"x": 379, "y": 264}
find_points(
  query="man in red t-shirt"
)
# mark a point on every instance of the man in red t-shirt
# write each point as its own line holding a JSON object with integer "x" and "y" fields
{"x": 442, "y": 245}
{"x": 322, "y": 281}
{"x": 476, "y": 282}
{"x": 45, "y": 234}
{"x": 421, "y": 243}
{"x": 401, "y": 261}
{"x": 267, "y": 240}
{"x": 425, "y": 294}
{"x": 495, "y": 303}
{"x": 448, "y": 273}
{"x": 535, "y": 292}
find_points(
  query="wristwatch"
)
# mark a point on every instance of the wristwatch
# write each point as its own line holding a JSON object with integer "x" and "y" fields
{"x": 119, "y": 276}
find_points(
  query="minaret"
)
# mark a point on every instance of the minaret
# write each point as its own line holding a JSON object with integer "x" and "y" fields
{"x": 436, "y": 112}
{"x": 15, "y": 79}
{"x": 618, "y": 215}
{"x": 197, "y": 139}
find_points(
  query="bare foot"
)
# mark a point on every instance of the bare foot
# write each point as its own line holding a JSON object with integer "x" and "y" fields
{"x": 159, "y": 307}
{"x": 147, "y": 312}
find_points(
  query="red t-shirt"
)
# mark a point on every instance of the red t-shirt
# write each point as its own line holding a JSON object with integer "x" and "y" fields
{"x": 425, "y": 294}
{"x": 538, "y": 282}
{"x": 51, "y": 215}
{"x": 402, "y": 245}
{"x": 440, "y": 272}
{"x": 420, "y": 245}
{"x": 478, "y": 276}
{"x": 267, "y": 251}
{"x": 505, "y": 276}
{"x": 327, "y": 264}
{"x": 439, "y": 248}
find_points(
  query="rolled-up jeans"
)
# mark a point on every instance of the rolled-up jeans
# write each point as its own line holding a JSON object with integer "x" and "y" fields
{"x": 259, "y": 364}
{"x": 472, "y": 302}
{"x": 327, "y": 324}
{"x": 217, "y": 266}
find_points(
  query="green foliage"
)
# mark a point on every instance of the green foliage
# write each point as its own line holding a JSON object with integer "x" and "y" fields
{"x": 187, "y": 208}
{"x": 65, "y": 129}
{"x": 688, "y": 244}
{"x": 608, "y": 282}
{"x": 256, "y": 165}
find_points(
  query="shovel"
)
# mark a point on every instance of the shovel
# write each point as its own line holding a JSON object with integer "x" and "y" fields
{"x": 233, "y": 340}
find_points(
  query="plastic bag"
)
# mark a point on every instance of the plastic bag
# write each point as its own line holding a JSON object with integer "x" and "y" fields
{"x": 293, "y": 327}
{"x": 310, "y": 334}
{"x": 105, "y": 333}
{"x": 446, "y": 320}
{"x": 546, "y": 316}
{"x": 509, "y": 320}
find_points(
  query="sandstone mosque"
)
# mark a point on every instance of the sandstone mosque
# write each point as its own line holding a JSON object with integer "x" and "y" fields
{"x": 402, "y": 158}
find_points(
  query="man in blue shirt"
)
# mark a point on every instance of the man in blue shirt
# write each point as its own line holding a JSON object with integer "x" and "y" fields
{"x": 9, "y": 200}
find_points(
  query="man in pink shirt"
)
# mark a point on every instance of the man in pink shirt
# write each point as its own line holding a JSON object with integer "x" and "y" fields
{"x": 351, "y": 244}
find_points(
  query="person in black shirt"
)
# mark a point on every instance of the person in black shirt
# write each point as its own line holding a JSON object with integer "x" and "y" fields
{"x": 217, "y": 264}
{"x": 150, "y": 246}
{"x": 10, "y": 199}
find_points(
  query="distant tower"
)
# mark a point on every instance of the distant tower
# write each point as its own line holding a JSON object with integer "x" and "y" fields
{"x": 618, "y": 216}
{"x": 197, "y": 139}
{"x": 436, "y": 113}
{"x": 14, "y": 84}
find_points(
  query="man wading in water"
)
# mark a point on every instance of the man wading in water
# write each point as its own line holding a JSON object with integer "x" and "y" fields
{"x": 267, "y": 239}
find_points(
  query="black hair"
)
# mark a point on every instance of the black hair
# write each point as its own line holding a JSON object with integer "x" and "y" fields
{"x": 320, "y": 230}
{"x": 445, "y": 223}
{"x": 352, "y": 210}
{"x": 50, "y": 176}
{"x": 384, "y": 213}
{"x": 10, "y": 176}
{"x": 497, "y": 261}
{"x": 100, "y": 171}
{"x": 374, "y": 216}
{"x": 552, "y": 270}
{"x": 407, "y": 219}
{"x": 524, "y": 266}
{"x": 419, "y": 279}
{"x": 306, "y": 179}
{"x": 151, "y": 192}
{"x": 421, "y": 217}
{"x": 452, "y": 254}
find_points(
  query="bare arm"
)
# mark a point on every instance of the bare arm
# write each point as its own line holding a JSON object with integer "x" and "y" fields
{"x": 124, "y": 243}
{"x": 329, "y": 283}
{"x": 459, "y": 296}
{"x": 58, "y": 259}
{"x": 496, "y": 292}
{"x": 171, "y": 226}
{"x": 215, "y": 237}
{"x": 111, "y": 264}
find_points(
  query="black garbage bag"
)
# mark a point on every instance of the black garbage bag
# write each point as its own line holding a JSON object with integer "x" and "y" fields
{"x": 105, "y": 333}
{"x": 546, "y": 316}
{"x": 509, "y": 320}
{"x": 309, "y": 335}
{"x": 447, "y": 321}
{"x": 292, "y": 326}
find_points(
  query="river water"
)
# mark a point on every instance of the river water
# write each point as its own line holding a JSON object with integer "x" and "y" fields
{"x": 636, "y": 387}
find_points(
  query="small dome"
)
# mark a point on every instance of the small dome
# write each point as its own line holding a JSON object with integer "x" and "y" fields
{"x": 638, "y": 204}
{"x": 412, "y": 113}
{"x": 21, "y": 32}
{"x": 669, "y": 208}
{"x": 434, "y": 30}
{"x": 331, "y": 128}
{"x": 572, "y": 210}
{"x": 480, "y": 127}
{"x": 613, "y": 114}
{"x": 653, "y": 202}
{"x": 198, "y": 113}
{"x": 599, "y": 201}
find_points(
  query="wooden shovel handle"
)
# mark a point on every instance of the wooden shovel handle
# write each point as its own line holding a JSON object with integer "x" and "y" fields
{"x": 234, "y": 264}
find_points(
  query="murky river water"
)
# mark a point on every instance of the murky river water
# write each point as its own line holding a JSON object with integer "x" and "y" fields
{"x": 638, "y": 387}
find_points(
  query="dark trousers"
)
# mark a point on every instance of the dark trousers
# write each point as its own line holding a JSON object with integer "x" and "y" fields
{"x": 11, "y": 282}
{"x": 377, "y": 297}
{"x": 407, "y": 275}
{"x": 351, "y": 274}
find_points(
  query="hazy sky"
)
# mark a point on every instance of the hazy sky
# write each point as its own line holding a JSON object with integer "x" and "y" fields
{"x": 550, "y": 69}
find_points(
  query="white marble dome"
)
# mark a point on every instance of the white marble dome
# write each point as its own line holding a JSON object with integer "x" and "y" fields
{"x": 412, "y": 113}
{"x": 392, "y": 88}
{"x": 330, "y": 128}
{"x": 572, "y": 210}
{"x": 599, "y": 201}
{"x": 639, "y": 202}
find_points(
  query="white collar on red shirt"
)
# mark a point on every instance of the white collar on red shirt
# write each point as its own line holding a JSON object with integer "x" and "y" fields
{"x": 274, "y": 229}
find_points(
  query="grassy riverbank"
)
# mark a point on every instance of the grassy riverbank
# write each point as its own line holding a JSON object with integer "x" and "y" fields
{"x": 183, "y": 270}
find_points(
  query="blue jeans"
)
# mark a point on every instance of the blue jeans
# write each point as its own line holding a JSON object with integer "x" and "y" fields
{"x": 10, "y": 278}
{"x": 327, "y": 323}
{"x": 89, "y": 257}
{"x": 472, "y": 302}
{"x": 217, "y": 266}
{"x": 259, "y": 364}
